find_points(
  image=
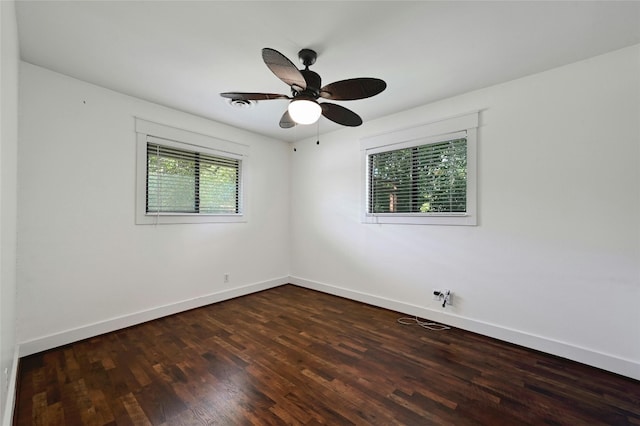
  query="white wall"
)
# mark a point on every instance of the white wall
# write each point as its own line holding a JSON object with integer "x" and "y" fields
{"x": 8, "y": 203}
{"x": 84, "y": 266}
{"x": 554, "y": 263}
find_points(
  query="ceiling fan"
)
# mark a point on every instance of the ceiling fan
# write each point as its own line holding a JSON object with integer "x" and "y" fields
{"x": 306, "y": 89}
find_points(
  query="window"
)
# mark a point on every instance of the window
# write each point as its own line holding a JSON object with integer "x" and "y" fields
{"x": 185, "y": 177}
{"x": 422, "y": 175}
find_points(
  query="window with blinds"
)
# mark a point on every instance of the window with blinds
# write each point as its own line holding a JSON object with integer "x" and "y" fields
{"x": 188, "y": 177}
{"x": 422, "y": 175}
{"x": 427, "y": 179}
{"x": 190, "y": 182}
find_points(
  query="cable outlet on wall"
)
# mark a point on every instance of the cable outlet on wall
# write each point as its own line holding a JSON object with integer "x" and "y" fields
{"x": 444, "y": 296}
{"x": 226, "y": 277}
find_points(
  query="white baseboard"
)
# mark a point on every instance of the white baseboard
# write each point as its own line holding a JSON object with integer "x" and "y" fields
{"x": 10, "y": 400}
{"x": 90, "y": 330}
{"x": 624, "y": 367}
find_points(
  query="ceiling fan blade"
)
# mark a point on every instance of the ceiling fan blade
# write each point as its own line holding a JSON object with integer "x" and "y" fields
{"x": 253, "y": 96}
{"x": 286, "y": 122}
{"x": 341, "y": 115}
{"x": 284, "y": 69}
{"x": 353, "y": 88}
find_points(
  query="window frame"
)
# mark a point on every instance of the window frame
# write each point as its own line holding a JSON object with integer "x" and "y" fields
{"x": 425, "y": 134}
{"x": 150, "y": 132}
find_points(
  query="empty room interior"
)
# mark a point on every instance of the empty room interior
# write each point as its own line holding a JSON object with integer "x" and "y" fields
{"x": 473, "y": 167}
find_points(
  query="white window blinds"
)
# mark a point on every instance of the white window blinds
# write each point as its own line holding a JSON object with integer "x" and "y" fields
{"x": 427, "y": 179}
{"x": 190, "y": 182}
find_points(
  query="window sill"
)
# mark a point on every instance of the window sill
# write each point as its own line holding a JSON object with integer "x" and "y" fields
{"x": 171, "y": 218}
{"x": 421, "y": 219}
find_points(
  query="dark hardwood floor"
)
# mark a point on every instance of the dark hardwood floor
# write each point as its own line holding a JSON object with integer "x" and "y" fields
{"x": 294, "y": 356}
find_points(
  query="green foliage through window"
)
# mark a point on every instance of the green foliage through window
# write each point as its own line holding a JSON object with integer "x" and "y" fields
{"x": 429, "y": 178}
{"x": 180, "y": 181}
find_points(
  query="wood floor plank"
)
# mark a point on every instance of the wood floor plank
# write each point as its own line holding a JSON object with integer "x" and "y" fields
{"x": 293, "y": 356}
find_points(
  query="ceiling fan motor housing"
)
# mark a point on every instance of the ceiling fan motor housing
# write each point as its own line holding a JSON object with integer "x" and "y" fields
{"x": 313, "y": 84}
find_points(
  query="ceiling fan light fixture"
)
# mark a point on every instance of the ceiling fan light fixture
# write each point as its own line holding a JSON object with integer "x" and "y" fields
{"x": 304, "y": 111}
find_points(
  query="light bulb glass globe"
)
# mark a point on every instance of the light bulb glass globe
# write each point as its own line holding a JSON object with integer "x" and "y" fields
{"x": 304, "y": 111}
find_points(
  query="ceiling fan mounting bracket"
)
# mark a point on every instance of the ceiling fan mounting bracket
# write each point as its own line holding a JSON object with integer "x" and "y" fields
{"x": 307, "y": 57}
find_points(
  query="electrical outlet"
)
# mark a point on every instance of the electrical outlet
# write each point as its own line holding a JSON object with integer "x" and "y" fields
{"x": 226, "y": 277}
{"x": 436, "y": 294}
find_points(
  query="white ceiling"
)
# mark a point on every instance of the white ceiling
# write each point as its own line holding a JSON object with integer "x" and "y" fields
{"x": 182, "y": 54}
